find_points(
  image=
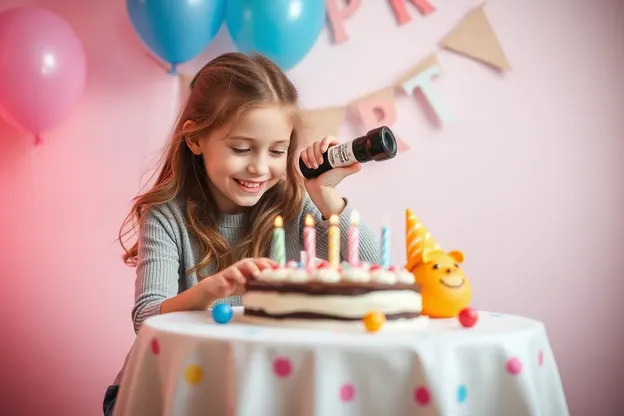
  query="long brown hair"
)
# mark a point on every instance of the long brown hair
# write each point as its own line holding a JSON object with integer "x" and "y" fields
{"x": 221, "y": 91}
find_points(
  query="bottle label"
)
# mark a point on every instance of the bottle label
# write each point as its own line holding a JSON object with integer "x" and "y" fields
{"x": 341, "y": 155}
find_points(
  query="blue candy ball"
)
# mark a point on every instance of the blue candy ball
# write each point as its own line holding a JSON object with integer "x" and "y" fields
{"x": 222, "y": 313}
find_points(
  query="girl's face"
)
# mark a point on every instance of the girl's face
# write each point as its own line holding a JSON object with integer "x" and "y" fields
{"x": 245, "y": 160}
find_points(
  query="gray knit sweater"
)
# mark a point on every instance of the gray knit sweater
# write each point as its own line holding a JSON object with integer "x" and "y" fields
{"x": 167, "y": 251}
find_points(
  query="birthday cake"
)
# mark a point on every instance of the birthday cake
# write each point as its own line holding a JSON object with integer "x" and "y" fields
{"x": 328, "y": 297}
{"x": 355, "y": 295}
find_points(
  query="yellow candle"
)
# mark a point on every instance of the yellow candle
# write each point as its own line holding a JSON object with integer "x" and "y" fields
{"x": 334, "y": 242}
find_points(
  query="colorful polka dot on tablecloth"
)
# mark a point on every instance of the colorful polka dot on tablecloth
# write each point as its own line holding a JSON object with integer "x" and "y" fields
{"x": 540, "y": 358}
{"x": 282, "y": 367}
{"x": 496, "y": 315}
{"x": 193, "y": 374}
{"x": 155, "y": 346}
{"x": 514, "y": 366}
{"x": 462, "y": 393}
{"x": 422, "y": 396}
{"x": 347, "y": 392}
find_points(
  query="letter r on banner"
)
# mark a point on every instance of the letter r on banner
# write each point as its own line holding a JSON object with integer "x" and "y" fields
{"x": 423, "y": 82}
{"x": 337, "y": 16}
{"x": 403, "y": 16}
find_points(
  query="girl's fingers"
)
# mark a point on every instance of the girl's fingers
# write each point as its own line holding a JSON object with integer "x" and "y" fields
{"x": 304, "y": 157}
{"x": 312, "y": 157}
{"x": 318, "y": 154}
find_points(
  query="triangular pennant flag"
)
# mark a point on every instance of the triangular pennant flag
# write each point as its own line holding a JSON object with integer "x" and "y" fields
{"x": 319, "y": 123}
{"x": 424, "y": 63}
{"x": 417, "y": 239}
{"x": 379, "y": 108}
{"x": 474, "y": 37}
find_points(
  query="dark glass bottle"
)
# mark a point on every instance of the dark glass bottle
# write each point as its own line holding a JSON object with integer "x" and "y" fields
{"x": 378, "y": 144}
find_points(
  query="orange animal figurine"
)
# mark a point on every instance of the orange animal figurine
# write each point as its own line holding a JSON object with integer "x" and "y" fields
{"x": 445, "y": 289}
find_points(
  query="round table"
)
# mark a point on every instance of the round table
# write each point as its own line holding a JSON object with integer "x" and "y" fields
{"x": 186, "y": 364}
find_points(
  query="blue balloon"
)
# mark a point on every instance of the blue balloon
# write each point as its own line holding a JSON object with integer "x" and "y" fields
{"x": 176, "y": 30}
{"x": 222, "y": 313}
{"x": 282, "y": 30}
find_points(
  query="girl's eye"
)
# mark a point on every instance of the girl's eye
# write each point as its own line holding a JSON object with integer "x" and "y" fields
{"x": 239, "y": 151}
{"x": 278, "y": 152}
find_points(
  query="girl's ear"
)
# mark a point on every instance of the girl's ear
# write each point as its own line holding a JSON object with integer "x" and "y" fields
{"x": 191, "y": 142}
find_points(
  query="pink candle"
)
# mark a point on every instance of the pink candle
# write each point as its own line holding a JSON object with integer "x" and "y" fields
{"x": 354, "y": 240}
{"x": 309, "y": 241}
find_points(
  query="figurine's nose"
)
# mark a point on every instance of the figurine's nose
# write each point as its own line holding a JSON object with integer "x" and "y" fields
{"x": 448, "y": 271}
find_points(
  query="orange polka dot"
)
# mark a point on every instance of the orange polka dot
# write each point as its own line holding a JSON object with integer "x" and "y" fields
{"x": 193, "y": 374}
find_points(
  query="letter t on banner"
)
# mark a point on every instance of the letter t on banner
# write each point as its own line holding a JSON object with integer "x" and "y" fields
{"x": 402, "y": 15}
{"x": 336, "y": 17}
{"x": 423, "y": 81}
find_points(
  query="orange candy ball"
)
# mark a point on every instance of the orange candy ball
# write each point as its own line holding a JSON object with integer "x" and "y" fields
{"x": 373, "y": 321}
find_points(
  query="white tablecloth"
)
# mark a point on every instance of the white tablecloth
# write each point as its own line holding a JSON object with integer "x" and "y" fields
{"x": 185, "y": 364}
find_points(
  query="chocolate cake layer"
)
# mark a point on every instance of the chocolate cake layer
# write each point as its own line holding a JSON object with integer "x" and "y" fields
{"x": 320, "y": 316}
{"x": 321, "y": 288}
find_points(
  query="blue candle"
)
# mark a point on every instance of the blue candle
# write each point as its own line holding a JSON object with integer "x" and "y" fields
{"x": 385, "y": 245}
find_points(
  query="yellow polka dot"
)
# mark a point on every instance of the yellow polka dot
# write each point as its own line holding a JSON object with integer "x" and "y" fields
{"x": 193, "y": 374}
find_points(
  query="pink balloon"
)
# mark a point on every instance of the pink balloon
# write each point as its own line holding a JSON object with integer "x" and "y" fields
{"x": 42, "y": 69}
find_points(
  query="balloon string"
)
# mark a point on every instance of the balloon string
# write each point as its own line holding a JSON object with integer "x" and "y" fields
{"x": 38, "y": 140}
{"x": 174, "y": 69}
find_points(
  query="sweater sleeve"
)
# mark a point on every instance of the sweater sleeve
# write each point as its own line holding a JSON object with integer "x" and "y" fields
{"x": 158, "y": 265}
{"x": 369, "y": 245}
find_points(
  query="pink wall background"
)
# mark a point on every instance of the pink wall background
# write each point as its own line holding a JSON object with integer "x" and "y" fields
{"x": 539, "y": 216}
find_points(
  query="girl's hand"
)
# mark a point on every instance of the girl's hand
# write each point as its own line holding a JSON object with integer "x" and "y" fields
{"x": 231, "y": 281}
{"x": 322, "y": 189}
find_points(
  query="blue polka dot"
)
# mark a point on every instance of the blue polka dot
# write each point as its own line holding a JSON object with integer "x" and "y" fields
{"x": 251, "y": 331}
{"x": 496, "y": 315}
{"x": 462, "y": 393}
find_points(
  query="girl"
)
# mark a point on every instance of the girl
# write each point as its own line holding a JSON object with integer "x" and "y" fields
{"x": 230, "y": 168}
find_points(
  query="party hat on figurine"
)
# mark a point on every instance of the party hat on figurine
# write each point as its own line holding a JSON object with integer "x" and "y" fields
{"x": 417, "y": 238}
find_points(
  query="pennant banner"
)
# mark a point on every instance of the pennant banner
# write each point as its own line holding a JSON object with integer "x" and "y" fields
{"x": 473, "y": 37}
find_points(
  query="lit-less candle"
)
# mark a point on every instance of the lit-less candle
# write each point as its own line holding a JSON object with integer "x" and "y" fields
{"x": 309, "y": 241}
{"x": 333, "y": 243}
{"x": 385, "y": 244}
{"x": 279, "y": 241}
{"x": 354, "y": 240}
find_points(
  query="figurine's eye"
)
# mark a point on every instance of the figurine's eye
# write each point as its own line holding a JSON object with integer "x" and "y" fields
{"x": 436, "y": 266}
{"x": 457, "y": 265}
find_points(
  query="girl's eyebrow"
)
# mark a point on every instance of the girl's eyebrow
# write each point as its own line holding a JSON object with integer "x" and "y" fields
{"x": 251, "y": 139}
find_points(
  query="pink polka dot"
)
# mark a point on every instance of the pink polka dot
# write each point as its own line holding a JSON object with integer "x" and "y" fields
{"x": 540, "y": 358}
{"x": 422, "y": 396}
{"x": 155, "y": 346}
{"x": 347, "y": 392}
{"x": 282, "y": 367}
{"x": 514, "y": 366}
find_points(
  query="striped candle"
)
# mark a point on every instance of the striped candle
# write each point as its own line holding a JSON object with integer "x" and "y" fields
{"x": 309, "y": 242}
{"x": 279, "y": 241}
{"x": 333, "y": 246}
{"x": 354, "y": 240}
{"x": 385, "y": 245}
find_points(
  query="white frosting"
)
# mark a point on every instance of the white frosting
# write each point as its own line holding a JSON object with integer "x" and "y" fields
{"x": 386, "y": 301}
{"x": 383, "y": 276}
{"x": 299, "y": 275}
{"x": 277, "y": 275}
{"x": 327, "y": 275}
{"x": 403, "y": 276}
{"x": 330, "y": 275}
{"x": 356, "y": 274}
